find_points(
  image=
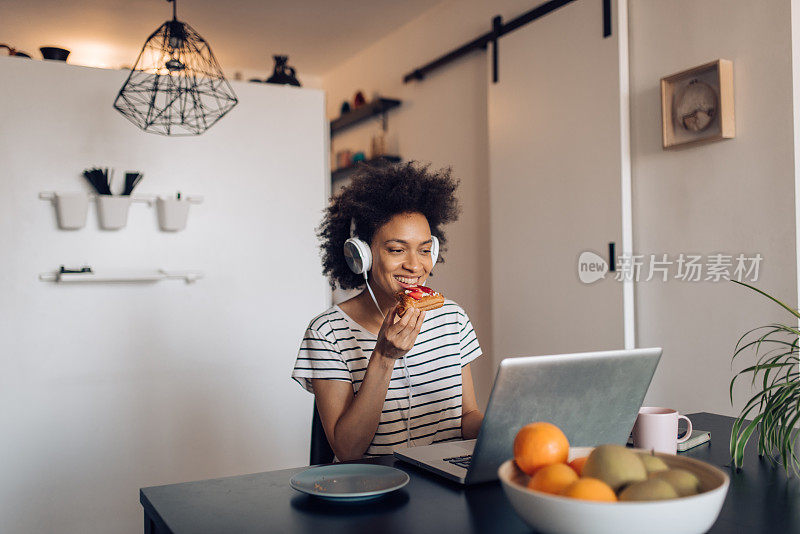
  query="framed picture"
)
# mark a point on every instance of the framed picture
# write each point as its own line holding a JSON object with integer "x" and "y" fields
{"x": 697, "y": 105}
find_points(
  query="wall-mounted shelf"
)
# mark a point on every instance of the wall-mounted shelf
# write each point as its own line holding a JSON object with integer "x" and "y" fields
{"x": 379, "y": 106}
{"x": 88, "y": 275}
{"x": 344, "y": 172}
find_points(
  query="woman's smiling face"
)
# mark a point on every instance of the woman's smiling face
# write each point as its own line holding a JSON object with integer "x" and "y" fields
{"x": 401, "y": 253}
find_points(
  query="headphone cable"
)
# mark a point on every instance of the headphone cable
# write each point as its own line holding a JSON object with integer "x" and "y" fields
{"x": 405, "y": 366}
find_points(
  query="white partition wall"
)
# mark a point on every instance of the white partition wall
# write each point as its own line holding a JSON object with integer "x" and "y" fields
{"x": 108, "y": 388}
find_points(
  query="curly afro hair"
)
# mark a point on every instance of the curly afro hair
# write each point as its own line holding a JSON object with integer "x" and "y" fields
{"x": 375, "y": 195}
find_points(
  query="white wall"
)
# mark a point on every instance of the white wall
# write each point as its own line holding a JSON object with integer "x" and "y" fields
{"x": 734, "y": 196}
{"x": 795, "y": 8}
{"x": 442, "y": 121}
{"x": 108, "y": 388}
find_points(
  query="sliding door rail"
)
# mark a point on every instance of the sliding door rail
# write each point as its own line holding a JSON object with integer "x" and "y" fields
{"x": 498, "y": 30}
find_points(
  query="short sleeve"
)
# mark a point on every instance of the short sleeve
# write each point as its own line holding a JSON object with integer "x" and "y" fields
{"x": 468, "y": 341}
{"x": 318, "y": 358}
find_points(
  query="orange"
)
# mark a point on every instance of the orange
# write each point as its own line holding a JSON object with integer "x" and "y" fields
{"x": 577, "y": 464}
{"x": 540, "y": 444}
{"x": 590, "y": 489}
{"x": 552, "y": 478}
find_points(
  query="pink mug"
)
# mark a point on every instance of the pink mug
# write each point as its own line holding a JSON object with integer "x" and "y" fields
{"x": 657, "y": 429}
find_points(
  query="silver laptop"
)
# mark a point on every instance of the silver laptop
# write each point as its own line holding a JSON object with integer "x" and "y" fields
{"x": 592, "y": 396}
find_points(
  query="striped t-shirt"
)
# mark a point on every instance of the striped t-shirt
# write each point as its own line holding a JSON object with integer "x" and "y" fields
{"x": 336, "y": 348}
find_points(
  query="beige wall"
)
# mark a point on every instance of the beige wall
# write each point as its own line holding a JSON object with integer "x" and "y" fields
{"x": 733, "y": 196}
{"x": 442, "y": 121}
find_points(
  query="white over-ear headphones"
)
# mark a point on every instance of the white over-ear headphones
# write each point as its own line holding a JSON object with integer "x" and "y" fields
{"x": 359, "y": 256}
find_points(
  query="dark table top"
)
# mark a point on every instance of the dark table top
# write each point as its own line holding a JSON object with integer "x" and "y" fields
{"x": 761, "y": 498}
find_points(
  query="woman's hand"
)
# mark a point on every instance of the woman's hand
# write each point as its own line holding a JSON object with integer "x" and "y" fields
{"x": 398, "y": 335}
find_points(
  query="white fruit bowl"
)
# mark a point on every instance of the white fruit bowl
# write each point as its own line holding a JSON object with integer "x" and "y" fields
{"x": 553, "y": 514}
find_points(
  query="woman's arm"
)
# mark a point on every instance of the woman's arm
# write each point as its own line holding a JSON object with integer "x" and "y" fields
{"x": 350, "y": 421}
{"x": 471, "y": 416}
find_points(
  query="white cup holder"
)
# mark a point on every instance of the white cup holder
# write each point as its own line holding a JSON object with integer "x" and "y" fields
{"x": 112, "y": 211}
{"x": 172, "y": 213}
{"x": 71, "y": 210}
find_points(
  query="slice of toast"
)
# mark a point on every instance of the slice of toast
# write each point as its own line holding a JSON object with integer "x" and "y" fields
{"x": 420, "y": 297}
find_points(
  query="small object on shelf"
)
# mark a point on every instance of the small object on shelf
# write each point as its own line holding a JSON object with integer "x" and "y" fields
{"x": 379, "y": 106}
{"x": 71, "y": 209}
{"x": 359, "y": 100}
{"x": 359, "y": 156}
{"x": 54, "y": 53}
{"x": 112, "y": 211}
{"x": 14, "y": 52}
{"x": 99, "y": 180}
{"x": 283, "y": 74}
{"x": 377, "y": 146}
{"x": 64, "y": 270}
{"x": 345, "y": 108}
{"x": 132, "y": 179}
{"x": 344, "y": 172}
{"x": 89, "y": 275}
{"x": 344, "y": 159}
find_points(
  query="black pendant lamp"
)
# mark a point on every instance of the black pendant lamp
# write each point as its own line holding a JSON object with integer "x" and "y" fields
{"x": 176, "y": 86}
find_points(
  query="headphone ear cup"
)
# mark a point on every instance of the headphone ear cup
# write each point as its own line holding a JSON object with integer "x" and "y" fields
{"x": 357, "y": 255}
{"x": 366, "y": 252}
{"x": 434, "y": 251}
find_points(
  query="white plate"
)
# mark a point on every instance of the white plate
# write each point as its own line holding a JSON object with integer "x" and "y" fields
{"x": 349, "y": 482}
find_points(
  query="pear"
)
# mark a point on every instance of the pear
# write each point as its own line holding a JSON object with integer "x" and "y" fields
{"x": 615, "y": 465}
{"x": 652, "y": 463}
{"x": 684, "y": 482}
{"x": 653, "y": 489}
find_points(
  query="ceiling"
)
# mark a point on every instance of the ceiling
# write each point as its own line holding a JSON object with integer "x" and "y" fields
{"x": 243, "y": 34}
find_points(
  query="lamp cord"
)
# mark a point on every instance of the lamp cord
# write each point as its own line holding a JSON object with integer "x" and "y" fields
{"x": 174, "y": 9}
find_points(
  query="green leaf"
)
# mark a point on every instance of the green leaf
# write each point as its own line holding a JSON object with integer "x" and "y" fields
{"x": 741, "y": 441}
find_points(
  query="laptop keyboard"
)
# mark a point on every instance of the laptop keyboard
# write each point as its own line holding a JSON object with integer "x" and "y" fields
{"x": 460, "y": 461}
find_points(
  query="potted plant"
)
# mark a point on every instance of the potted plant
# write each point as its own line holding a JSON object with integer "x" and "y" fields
{"x": 775, "y": 408}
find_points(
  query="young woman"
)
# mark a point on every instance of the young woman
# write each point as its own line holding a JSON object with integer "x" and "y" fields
{"x": 381, "y": 381}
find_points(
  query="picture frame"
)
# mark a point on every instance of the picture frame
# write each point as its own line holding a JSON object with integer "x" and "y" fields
{"x": 697, "y": 105}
